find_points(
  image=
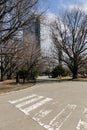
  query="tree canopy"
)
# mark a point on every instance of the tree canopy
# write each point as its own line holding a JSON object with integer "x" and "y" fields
{"x": 14, "y": 15}
{"x": 69, "y": 33}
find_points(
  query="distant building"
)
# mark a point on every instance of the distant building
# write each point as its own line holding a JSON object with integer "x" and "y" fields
{"x": 33, "y": 30}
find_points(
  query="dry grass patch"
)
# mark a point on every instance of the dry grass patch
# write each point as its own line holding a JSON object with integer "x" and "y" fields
{"x": 10, "y": 85}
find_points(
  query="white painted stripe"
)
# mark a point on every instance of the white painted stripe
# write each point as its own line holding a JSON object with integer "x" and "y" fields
{"x": 51, "y": 129}
{"x": 47, "y": 126}
{"x": 41, "y": 114}
{"x": 59, "y": 120}
{"x": 27, "y": 110}
{"x": 40, "y": 123}
{"x": 64, "y": 120}
{"x": 29, "y": 101}
{"x": 81, "y": 124}
{"x": 22, "y": 99}
{"x": 56, "y": 122}
{"x": 85, "y": 112}
{"x": 68, "y": 106}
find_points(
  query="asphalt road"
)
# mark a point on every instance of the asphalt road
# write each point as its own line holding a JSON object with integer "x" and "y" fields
{"x": 45, "y": 106}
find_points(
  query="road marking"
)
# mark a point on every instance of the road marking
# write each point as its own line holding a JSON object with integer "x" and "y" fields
{"x": 85, "y": 112}
{"x": 58, "y": 121}
{"x": 29, "y": 101}
{"x": 30, "y": 108}
{"x": 41, "y": 114}
{"x": 82, "y": 125}
{"x": 22, "y": 99}
{"x": 54, "y": 103}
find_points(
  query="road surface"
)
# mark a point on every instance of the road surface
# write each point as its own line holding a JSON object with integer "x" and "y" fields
{"x": 45, "y": 106}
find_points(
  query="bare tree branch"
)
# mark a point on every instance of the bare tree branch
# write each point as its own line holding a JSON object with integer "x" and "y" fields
{"x": 70, "y": 34}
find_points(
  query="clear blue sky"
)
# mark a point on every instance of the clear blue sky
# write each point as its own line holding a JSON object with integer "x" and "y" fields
{"x": 57, "y": 6}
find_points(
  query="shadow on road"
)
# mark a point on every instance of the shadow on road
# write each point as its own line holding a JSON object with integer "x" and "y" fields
{"x": 46, "y": 79}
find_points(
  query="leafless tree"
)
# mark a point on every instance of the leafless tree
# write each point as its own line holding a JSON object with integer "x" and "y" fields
{"x": 31, "y": 52}
{"x": 14, "y": 15}
{"x": 10, "y": 58}
{"x": 69, "y": 33}
{"x": 19, "y": 55}
{"x": 83, "y": 69}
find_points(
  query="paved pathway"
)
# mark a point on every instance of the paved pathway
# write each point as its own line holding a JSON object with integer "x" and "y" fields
{"x": 46, "y": 106}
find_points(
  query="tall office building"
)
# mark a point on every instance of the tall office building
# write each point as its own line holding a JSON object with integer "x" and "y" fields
{"x": 33, "y": 30}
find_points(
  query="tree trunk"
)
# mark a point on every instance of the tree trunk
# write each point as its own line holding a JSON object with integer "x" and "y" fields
{"x": 75, "y": 73}
{"x": 17, "y": 78}
{"x": 2, "y": 77}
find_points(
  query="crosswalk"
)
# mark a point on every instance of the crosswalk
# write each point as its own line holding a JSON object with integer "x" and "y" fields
{"x": 22, "y": 99}
{"x": 36, "y": 104}
{"x": 82, "y": 124}
{"x": 37, "y": 100}
{"x": 30, "y": 108}
{"x": 29, "y": 101}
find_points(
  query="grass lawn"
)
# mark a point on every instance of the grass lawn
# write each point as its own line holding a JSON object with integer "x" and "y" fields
{"x": 70, "y": 78}
{"x": 10, "y": 85}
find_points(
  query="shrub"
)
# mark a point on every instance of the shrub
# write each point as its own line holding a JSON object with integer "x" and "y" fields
{"x": 25, "y": 74}
{"x": 59, "y": 70}
{"x": 33, "y": 73}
